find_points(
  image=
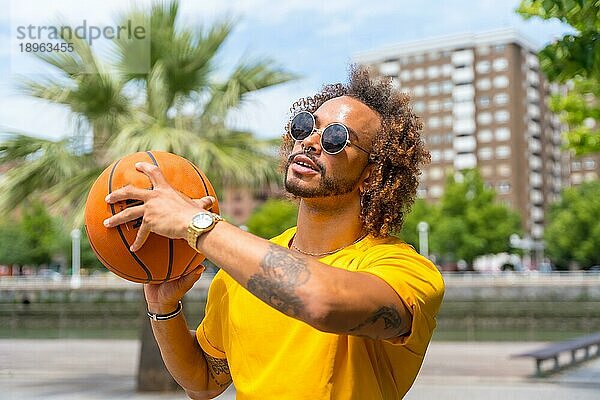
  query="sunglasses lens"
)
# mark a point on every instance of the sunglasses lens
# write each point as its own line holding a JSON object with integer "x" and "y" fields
{"x": 334, "y": 138}
{"x": 302, "y": 126}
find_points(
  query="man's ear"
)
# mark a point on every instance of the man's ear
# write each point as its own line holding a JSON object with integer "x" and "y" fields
{"x": 365, "y": 177}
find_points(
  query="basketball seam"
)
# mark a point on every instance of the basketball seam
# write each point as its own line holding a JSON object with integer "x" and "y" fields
{"x": 170, "y": 267}
{"x": 121, "y": 234}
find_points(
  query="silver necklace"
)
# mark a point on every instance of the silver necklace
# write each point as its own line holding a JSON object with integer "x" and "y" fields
{"x": 293, "y": 246}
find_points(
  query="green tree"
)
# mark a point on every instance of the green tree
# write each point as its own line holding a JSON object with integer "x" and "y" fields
{"x": 272, "y": 217}
{"x": 180, "y": 104}
{"x": 34, "y": 238}
{"x": 421, "y": 211}
{"x": 575, "y": 58}
{"x": 39, "y": 231}
{"x": 573, "y": 231}
{"x": 12, "y": 242}
{"x": 469, "y": 222}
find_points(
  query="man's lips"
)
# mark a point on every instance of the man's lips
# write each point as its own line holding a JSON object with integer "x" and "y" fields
{"x": 305, "y": 163}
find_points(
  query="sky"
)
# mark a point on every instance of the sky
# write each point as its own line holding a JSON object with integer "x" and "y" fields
{"x": 314, "y": 39}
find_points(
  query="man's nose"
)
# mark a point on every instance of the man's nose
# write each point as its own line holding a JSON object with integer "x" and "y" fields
{"x": 312, "y": 143}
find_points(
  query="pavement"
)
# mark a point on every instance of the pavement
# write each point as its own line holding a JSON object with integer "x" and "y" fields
{"x": 106, "y": 369}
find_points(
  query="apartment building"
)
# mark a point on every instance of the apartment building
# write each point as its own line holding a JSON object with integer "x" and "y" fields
{"x": 484, "y": 104}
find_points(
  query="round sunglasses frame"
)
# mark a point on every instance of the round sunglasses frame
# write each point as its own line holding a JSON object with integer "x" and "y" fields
{"x": 321, "y": 131}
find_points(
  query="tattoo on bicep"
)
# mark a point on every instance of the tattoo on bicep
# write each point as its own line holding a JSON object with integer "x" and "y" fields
{"x": 217, "y": 367}
{"x": 392, "y": 322}
{"x": 281, "y": 273}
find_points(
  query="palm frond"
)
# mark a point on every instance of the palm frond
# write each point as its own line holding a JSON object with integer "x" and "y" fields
{"x": 36, "y": 165}
{"x": 245, "y": 78}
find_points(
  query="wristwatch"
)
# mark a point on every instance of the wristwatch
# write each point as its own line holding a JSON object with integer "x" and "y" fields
{"x": 202, "y": 222}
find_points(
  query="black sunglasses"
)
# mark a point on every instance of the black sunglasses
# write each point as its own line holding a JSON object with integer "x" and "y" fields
{"x": 334, "y": 137}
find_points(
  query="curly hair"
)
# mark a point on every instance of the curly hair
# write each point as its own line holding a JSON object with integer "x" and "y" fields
{"x": 398, "y": 150}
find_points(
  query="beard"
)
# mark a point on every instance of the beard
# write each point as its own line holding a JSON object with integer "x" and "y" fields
{"x": 328, "y": 186}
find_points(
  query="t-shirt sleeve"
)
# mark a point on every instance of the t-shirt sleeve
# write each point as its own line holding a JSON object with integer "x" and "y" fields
{"x": 418, "y": 283}
{"x": 210, "y": 331}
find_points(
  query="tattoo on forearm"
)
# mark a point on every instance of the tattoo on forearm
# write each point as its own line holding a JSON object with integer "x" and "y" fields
{"x": 281, "y": 273}
{"x": 391, "y": 321}
{"x": 218, "y": 367}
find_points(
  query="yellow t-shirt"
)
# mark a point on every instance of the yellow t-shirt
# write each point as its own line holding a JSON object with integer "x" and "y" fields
{"x": 273, "y": 356}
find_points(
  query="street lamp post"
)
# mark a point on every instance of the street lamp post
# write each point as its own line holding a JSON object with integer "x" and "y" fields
{"x": 423, "y": 229}
{"x": 76, "y": 258}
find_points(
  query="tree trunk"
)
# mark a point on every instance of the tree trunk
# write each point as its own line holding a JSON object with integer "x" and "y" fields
{"x": 152, "y": 376}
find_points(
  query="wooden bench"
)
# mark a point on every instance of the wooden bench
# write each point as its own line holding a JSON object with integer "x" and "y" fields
{"x": 588, "y": 345}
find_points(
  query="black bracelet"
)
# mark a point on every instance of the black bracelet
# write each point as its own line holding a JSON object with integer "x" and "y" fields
{"x": 164, "y": 317}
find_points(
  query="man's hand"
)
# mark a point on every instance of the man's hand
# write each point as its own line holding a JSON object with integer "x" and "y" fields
{"x": 163, "y": 298}
{"x": 164, "y": 211}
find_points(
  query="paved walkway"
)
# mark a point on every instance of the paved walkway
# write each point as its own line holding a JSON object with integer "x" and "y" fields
{"x": 105, "y": 369}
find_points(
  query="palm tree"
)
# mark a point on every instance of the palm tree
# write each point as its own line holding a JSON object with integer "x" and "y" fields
{"x": 176, "y": 104}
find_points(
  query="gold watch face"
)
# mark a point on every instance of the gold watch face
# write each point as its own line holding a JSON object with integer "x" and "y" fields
{"x": 202, "y": 220}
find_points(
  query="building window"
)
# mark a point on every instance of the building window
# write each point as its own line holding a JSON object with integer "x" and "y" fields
{"x": 419, "y": 90}
{"x": 502, "y": 134}
{"x": 447, "y": 69}
{"x": 436, "y": 173}
{"x": 484, "y": 84}
{"x": 434, "y": 55}
{"x": 436, "y": 156}
{"x": 500, "y": 64}
{"x": 501, "y": 116}
{"x": 447, "y": 87}
{"x": 535, "y": 179}
{"x": 447, "y": 104}
{"x": 502, "y": 152}
{"x": 500, "y": 82}
{"x": 483, "y": 50}
{"x": 487, "y": 170}
{"x": 419, "y": 73}
{"x": 405, "y": 75}
{"x": 433, "y": 106}
{"x": 447, "y": 121}
{"x": 434, "y": 122}
{"x": 503, "y": 187}
{"x": 418, "y": 106}
{"x": 483, "y": 67}
{"x": 435, "y": 139}
{"x": 448, "y": 155}
{"x": 484, "y": 101}
{"x": 419, "y": 58}
{"x": 433, "y": 89}
{"x": 589, "y": 164}
{"x": 501, "y": 98}
{"x": 536, "y": 196}
{"x": 484, "y": 118}
{"x": 484, "y": 136}
{"x": 575, "y": 165}
{"x": 433, "y": 72}
{"x": 485, "y": 153}
{"x": 499, "y": 48}
{"x": 504, "y": 170}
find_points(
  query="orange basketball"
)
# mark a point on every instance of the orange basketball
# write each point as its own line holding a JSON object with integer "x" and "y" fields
{"x": 160, "y": 259}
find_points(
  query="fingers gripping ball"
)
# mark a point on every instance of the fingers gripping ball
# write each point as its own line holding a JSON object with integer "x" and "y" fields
{"x": 160, "y": 259}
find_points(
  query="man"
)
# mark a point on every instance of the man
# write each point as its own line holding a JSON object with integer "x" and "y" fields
{"x": 333, "y": 309}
